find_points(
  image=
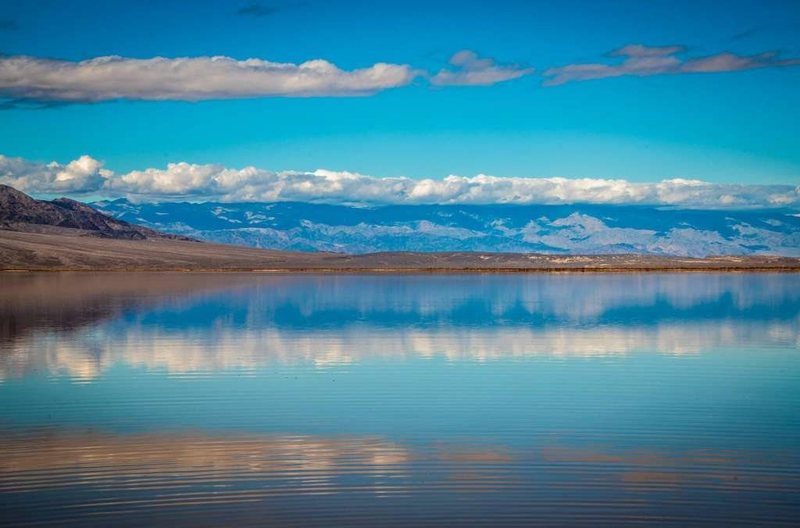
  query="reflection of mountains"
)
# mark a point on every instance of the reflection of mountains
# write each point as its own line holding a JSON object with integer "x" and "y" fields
{"x": 206, "y": 322}
{"x": 335, "y": 302}
{"x": 312, "y": 303}
{"x": 66, "y": 301}
{"x": 71, "y": 300}
{"x": 87, "y": 354}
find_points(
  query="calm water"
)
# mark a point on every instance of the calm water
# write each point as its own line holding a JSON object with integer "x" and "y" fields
{"x": 228, "y": 399}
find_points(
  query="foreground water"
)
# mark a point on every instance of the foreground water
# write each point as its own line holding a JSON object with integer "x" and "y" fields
{"x": 234, "y": 399}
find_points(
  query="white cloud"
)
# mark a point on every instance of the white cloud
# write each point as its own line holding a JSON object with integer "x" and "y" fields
{"x": 644, "y": 61}
{"x": 27, "y": 78}
{"x": 80, "y": 175}
{"x": 471, "y": 70}
{"x": 188, "y": 78}
{"x": 251, "y": 184}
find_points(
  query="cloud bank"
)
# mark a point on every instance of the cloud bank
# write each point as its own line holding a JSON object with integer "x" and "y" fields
{"x": 26, "y": 78}
{"x": 643, "y": 61}
{"x": 188, "y": 79}
{"x": 250, "y": 184}
{"x": 471, "y": 70}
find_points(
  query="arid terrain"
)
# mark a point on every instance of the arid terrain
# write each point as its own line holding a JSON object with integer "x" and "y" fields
{"x": 61, "y": 249}
{"x": 64, "y": 235}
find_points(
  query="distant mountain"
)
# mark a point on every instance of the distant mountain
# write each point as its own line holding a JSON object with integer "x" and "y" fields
{"x": 20, "y": 212}
{"x": 68, "y": 235}
{"x": 554, "y": 229}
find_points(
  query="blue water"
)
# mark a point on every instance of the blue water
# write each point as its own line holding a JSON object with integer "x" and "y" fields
{"x": 263, "y": 399}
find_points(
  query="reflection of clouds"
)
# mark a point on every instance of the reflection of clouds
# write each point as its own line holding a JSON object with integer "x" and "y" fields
{"x": 654, "y": 470}
{"x": 584, "y": 455}
{"x": 186, "y": 323}
{"x": 208, "y": 465}
{"x": 87, "y": 354}
{"x": 96, "y": 473}
{"x": 42, "y": 459}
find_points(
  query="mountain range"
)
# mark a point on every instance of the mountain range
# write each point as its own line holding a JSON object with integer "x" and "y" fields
{"x": 64, "y": 234}
{"x": 548, "y": 229}
{"x": 20, "y": 212}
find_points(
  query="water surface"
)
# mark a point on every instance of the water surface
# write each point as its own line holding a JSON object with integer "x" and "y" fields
{"x": 236, "y": 399}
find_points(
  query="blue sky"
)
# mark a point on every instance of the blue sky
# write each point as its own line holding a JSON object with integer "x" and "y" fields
{"x": 726, "y": 127}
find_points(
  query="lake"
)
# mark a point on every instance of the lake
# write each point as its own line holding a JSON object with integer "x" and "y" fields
{"x": 175, "y": 399}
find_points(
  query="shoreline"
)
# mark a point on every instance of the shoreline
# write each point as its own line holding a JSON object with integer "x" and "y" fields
{"x": 421, "y": 271}
{"x": 73, "y": 251}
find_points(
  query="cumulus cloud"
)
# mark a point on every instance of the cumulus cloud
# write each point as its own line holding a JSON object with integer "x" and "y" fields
{"x": 250, "y": 184}
{"x": 188, "y": 79}
{"x": 84, "y": 174}
{"x": 471, "y": 70}
{"x": 643, "y": 61}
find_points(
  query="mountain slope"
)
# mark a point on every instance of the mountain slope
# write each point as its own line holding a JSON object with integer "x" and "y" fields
{"x": 20, "y": 212}
{"x": 553, "y": 229}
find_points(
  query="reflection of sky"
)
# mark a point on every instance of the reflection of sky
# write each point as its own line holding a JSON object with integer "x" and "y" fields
{"x": 87, "y": 354}
{"x": 217, "y": 322}
{"x": 93, "y": 475}
{"x": 251, "y": 393}
{"x": 553, "y": 351}
{"x": 314, "y": 301}
{"x": 310, "y": 303}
